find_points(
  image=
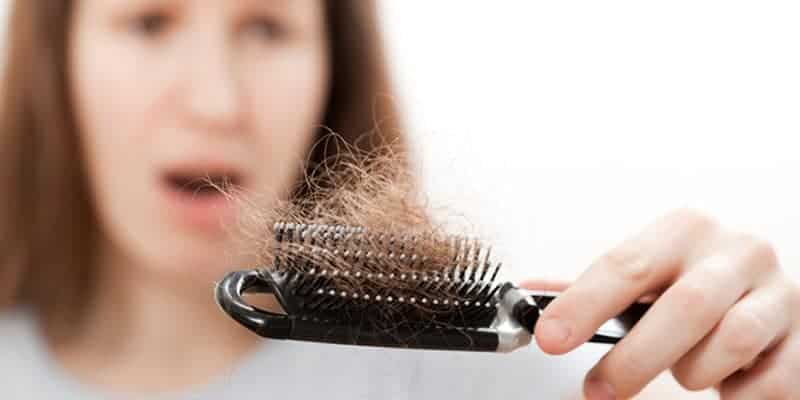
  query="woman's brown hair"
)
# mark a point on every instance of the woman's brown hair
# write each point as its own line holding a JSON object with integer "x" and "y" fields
{"x": 46, "y": 217}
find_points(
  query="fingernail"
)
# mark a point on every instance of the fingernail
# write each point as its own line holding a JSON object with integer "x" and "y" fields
{"x": 554, "y": 329}
{"x": 597, "y": 389}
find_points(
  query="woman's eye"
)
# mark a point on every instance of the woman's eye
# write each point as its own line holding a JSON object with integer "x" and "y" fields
{"x": 151, "y": 24}
{"x": 265, "y": 28}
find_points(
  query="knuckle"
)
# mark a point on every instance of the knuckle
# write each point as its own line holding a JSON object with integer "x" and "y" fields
{"x": 627, "y": 263}
{"x": 743, "y": 333}
{"x": 759, "y": 254}
{"x": 765, "y": 255}
{"x": 692, "y": 296}
{"x": 692, "y": 218}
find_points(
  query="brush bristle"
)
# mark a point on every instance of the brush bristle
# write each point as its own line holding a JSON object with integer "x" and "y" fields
{"x": 347, "y": 272}
{"x": 357, "y": 250}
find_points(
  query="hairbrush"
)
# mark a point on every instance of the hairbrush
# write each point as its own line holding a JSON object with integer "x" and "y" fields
{"x": 349, "y": 285}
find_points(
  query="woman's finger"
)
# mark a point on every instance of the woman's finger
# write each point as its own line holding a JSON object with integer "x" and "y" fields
{"x": 639, "y": 266}
{"x": 746, "y": 330}
{"x": 773, "y": 377}
{"x": 675, "y": 323}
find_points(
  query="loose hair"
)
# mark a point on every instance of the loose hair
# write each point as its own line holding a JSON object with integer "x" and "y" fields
{"x": 47, "y": 221}
{"x": 365, "y": 222}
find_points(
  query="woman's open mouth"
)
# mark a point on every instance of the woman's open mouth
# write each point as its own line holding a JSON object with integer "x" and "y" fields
{"x": 206, "y": 185}
{"x": 199, "y": 198}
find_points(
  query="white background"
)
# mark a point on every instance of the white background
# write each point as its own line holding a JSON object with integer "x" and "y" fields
{"x": 559, "y": 128}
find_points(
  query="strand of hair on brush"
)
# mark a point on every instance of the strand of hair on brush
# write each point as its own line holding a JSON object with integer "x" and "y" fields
{"x": 357, "y": 221}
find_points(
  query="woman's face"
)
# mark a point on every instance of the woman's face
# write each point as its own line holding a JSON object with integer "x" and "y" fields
{"x": 169, "y": 92}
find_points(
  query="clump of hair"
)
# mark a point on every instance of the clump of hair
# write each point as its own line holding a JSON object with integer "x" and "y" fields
{"x": 359, "y": 218}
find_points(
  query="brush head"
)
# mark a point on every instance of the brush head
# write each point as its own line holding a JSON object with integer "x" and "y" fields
{"x": 347, "y": 273}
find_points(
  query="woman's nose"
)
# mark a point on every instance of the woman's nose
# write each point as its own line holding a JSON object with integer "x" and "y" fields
{"x": 212, "y": 92}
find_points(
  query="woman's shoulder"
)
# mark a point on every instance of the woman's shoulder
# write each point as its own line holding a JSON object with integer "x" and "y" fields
{"x": 18, "y": 336}
{"x": 19, "y": 355}
{"x": 16, "y": 326}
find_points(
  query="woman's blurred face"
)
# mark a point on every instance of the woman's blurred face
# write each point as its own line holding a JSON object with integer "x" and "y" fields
{"x": 168, "y": 92}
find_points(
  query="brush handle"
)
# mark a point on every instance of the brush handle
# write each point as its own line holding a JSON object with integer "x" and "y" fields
{"x": 532, "y": 303}
{"x": 358, "y": 331}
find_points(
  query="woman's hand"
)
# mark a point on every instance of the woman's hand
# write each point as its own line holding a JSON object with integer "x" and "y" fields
{"x": 725, "y": 315}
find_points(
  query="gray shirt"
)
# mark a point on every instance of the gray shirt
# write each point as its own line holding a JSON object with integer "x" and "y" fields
{"x": 296, "y": 370}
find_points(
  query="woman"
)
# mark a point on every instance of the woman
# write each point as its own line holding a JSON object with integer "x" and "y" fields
{"x": 112, "y": 108}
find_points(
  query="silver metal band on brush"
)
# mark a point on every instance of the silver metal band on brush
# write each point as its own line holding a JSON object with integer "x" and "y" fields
{"x": 513, "y": 335}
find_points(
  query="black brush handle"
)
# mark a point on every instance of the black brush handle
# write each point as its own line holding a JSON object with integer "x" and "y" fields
{"x": 532, "y": 303}
{"x": 229, "y": 296}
